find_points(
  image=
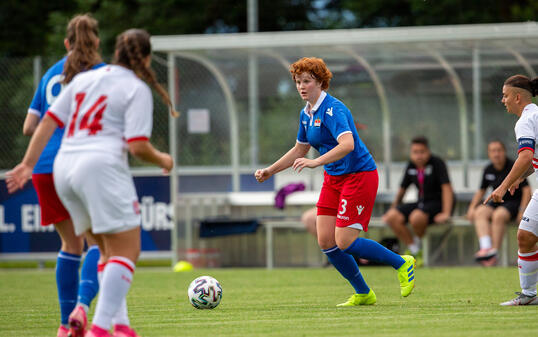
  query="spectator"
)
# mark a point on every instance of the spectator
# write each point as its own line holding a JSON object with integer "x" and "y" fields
{"x": 308, "y": 218}
{"x": 435, "y": 197}
{"x": 491, "y": 219}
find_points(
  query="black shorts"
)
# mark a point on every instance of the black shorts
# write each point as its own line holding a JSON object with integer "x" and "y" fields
{"x": 511, "y": 205}
{"x": 432, "y": 208}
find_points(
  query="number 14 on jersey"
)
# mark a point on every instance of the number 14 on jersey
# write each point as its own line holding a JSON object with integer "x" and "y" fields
{"x": 95, "y": 112}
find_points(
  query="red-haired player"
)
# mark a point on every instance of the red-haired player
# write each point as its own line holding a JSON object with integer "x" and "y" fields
{"x": 350, "y": 183}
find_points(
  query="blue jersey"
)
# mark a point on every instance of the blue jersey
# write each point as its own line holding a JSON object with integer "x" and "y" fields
{"x": 321, "y": 127}
{"x": 49, "y": 88}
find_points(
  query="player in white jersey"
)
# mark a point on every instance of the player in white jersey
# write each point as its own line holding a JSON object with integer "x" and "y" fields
{"x": 105, "y": 112}
{"x": 518, "y": 91}
{"x": 82, "y": 45}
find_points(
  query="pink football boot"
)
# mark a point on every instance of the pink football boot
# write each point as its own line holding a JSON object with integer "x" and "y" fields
{"x": 62, "y": 331}
{"x": 77, "y": 322}
{"x": 124, "y": 331}
{"x": 96, "y": 331}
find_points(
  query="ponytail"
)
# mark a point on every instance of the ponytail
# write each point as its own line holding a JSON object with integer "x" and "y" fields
{"x": 132, "y": 47}
{"x": 83, "y": 35}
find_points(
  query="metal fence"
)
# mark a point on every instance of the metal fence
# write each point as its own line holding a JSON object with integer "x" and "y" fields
{"x": 17, "y": 86}
{"x": 441, "y": 82}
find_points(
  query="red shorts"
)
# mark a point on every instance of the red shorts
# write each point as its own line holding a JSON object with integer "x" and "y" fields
{"x": 52, "y": 209}
{"x": 349, "y": 197}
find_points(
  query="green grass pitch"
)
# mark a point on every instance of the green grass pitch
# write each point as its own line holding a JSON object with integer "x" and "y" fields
{"x": 290, "y": 302}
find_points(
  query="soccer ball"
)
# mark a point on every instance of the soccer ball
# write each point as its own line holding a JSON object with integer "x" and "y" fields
{"x": 205, "y": 292}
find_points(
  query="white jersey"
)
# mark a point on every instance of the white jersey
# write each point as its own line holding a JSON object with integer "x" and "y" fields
{"x": 102, "y": 110}
{"x": 527, "y": 131}
{"x": 527, "y": 137}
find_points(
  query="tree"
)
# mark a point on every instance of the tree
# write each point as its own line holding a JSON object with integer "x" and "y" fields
{"x": 397, "y": 13}
{"x": 24, "y": 26}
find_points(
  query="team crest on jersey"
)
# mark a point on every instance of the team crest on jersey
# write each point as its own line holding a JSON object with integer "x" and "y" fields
{"x": 317, "y": 122}
{"x": 329, "y": 111}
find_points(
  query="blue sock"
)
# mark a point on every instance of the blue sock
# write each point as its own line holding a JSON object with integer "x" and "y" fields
{"x": 89, "y": 284}
{"x": 371, "y": 250}
{"x": 347, "y": 266}
{"x": 67, "y": 283}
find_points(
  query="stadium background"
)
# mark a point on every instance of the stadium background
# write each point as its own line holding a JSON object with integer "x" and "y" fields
{"x": 444, "y": 87}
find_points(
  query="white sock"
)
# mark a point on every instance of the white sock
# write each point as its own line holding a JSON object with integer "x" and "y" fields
{"x": 122, "y": 316}
{"x": 100, "y": 270}
{"x": 485, "y": 242}
{"x": 117, "y": 279}
{"x": 528, "y": 272}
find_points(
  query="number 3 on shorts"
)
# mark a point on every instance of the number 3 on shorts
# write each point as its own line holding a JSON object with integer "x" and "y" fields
{"x": 344, "y": 204}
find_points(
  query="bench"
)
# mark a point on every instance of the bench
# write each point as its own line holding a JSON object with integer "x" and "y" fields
{"x": 457, "y": 226}
{"x": 259, "y": 205}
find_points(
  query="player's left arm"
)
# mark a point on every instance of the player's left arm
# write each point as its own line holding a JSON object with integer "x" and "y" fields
{"x": 447, "y": 200}
{"x": 521, "y": 165}
{"x": 346, "y": 144}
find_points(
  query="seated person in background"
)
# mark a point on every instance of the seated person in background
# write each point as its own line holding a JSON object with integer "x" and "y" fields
{"x": 435, "y": 197}
{"x": 308, "y": 218}
{"x": 491, "y": 219}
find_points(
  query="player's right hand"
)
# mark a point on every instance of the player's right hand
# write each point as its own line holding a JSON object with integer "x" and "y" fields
{"x": 497, "y": 195}
{"x": 512, "y": 189}
{"x": 16, "y": 178}
{"x": 262, "y": 175}
{"x": 167, "y": 163}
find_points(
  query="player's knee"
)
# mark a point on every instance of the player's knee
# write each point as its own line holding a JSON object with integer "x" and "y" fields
{"x": 343, "y": 243}
{"x": 73, "y": 245}
{"x": 326, "y": 242}
{"x": 525, "y": 241}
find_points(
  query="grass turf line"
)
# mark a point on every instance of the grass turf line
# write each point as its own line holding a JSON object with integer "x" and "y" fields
{"x": 290, "y": 302}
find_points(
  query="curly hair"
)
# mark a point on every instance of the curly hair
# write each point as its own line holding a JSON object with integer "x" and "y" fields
{"x": 316, "y": 67}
